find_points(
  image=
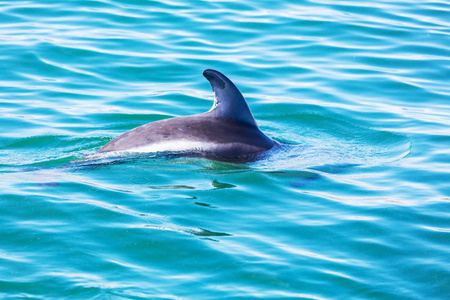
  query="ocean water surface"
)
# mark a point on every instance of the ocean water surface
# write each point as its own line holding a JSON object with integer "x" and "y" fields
{"x": 356, "y": 205}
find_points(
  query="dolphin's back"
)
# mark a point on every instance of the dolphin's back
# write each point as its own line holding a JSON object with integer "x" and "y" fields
{"x": 227, "y": 130}
{"x": 197, "y": 133}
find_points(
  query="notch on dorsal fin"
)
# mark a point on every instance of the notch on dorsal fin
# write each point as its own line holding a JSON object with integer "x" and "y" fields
{"x": 228, "y": 100}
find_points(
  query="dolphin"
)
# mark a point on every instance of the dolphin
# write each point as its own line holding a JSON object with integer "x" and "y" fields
{"x": 228, "y": 131}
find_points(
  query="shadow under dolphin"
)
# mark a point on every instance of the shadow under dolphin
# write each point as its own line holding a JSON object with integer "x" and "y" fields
{"x": 227, "y": 132}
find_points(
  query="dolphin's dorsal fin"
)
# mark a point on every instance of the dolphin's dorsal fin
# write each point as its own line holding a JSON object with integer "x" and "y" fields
{"x": 228, "y": 100}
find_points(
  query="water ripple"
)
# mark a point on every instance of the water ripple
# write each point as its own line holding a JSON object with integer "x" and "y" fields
{"x": 358, "y": 93}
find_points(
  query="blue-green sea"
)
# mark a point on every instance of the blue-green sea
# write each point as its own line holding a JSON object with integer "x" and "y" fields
{"x": 355, "y": 205}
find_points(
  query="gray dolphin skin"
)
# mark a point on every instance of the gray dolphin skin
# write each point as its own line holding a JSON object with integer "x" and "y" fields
{"x": 227, "y": 131}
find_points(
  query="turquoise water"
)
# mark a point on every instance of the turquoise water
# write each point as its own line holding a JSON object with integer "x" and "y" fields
{"x": 356, "y": 207}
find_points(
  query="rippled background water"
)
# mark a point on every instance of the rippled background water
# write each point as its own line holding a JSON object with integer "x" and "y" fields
{"x": 358, "y": 208}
